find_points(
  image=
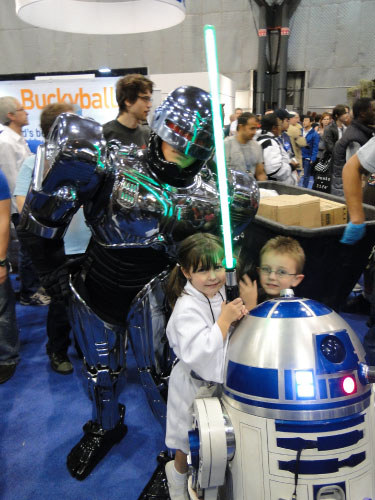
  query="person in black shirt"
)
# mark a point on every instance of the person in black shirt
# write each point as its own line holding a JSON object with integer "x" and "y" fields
{"x": 133, "y": 95}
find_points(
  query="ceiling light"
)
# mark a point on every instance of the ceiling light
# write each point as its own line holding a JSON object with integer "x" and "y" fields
{"x": 102, "y": 17}
{"x": 104, "y": 70}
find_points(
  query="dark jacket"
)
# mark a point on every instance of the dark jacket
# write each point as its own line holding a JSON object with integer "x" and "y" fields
{"x": 330, "y": 137}
{"x": 358, "y": 133}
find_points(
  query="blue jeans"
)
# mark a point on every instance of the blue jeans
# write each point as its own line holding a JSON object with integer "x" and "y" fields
{"x": 29, "y": 279}
{"x": 9, "y": 339}
{"x": 306, "y": 172}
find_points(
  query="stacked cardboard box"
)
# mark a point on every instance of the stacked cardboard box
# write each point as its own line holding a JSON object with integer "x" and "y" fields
{"x": 333, "y": 213}
{"x": 292, "y": 210}
{"x": 302, "y": 210}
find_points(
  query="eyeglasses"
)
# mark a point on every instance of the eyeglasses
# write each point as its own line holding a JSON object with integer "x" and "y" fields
{"x": 280, "y": 273}
{"x": 145, "y": 98}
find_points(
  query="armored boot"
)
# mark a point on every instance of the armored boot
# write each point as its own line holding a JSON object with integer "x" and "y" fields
{"x": 93, "y": 446}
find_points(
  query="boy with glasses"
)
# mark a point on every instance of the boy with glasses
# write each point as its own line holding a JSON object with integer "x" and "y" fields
{"x": 134, "y": 99}
{"x": 281, "y": 264}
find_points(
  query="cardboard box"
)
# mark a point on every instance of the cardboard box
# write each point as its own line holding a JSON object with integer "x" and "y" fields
{"x": 292, "y": 210}
{"x": 333, "y": 213}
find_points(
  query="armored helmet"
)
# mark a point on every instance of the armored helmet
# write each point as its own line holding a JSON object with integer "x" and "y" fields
{"x": 184, "y": 120}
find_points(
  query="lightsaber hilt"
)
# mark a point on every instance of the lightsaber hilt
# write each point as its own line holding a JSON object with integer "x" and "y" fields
{"x": 231, "y": 285}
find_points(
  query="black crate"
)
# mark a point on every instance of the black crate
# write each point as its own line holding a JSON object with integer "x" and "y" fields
{"x": 332, "y": 269}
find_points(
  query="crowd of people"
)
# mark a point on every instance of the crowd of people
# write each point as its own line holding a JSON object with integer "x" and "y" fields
{"x": 281, "y": 145}
{"x": 292, "y": 145}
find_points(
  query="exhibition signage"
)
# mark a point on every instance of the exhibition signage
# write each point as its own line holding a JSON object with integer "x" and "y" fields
{"x": 94, "y": 98}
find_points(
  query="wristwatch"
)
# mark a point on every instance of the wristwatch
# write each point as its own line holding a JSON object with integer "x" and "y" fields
{"x": 3, "y": 262}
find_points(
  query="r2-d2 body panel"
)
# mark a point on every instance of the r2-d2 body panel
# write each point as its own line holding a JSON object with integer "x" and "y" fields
{"x": 298, "y": 406}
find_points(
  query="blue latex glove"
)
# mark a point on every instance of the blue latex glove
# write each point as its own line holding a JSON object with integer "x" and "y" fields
{"x": 353, "y": 233}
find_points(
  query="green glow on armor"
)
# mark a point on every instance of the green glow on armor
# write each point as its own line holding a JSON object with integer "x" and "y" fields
{"x": 152, "y": 191}
{"x": 198, "y": 119}
{"x": 165, "y": 194}
{"x": 148, "y": 179}
{"x": 100, "y": 163}
{"x": 178, "y": 213}
{"x": 213, "y": 76}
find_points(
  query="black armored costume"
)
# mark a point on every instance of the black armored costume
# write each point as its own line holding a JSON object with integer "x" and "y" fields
{"x": 138, "y": 207}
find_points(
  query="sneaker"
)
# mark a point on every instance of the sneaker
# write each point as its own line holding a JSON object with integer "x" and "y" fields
{"x": 37, "y": 299}
{"x": 60, "y": 363}
{"x": 7, "y": 372}
{"x": 176, "y": 491}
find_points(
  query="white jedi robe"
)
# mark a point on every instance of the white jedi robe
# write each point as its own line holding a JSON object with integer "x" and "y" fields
{"x": 197, "y": 341}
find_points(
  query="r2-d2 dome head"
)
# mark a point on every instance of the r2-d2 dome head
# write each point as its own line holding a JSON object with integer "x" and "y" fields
{"x": 184, "y": 120}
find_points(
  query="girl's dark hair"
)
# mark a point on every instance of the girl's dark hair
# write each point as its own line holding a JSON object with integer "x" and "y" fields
{"x": 201, "y": 250}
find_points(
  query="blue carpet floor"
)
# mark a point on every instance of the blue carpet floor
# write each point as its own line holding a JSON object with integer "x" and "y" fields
{"x": 41, "y": 418}
{"x": 42, "y": 414}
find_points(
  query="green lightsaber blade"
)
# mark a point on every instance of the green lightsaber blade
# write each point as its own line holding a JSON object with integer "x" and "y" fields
{"x": 213, "y": 75}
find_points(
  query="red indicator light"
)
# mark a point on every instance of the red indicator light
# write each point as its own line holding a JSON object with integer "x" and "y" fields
{"x": 349, "y": 385}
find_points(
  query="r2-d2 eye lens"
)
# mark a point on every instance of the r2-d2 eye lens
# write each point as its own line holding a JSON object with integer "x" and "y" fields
{"x": 333, "y": 349}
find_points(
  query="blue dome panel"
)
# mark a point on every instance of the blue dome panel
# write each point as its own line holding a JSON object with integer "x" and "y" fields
{"x": 318, "y": 308}
{"x": 290, "y": 308}
{"x": 262, "y": 310}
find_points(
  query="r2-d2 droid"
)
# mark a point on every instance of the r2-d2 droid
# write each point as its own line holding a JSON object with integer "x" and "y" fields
{"x": 296, "y": 419}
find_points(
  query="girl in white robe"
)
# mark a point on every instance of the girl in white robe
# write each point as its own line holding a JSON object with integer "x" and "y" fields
{"x": 198, "y": 333}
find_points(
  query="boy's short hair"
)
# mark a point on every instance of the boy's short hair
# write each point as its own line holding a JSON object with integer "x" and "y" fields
{"x": 128, "y": 88}
{"x": 286, "y": 245}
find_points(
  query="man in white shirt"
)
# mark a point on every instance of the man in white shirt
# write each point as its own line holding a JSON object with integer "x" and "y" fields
{"x": 13, "y": 152}
{"x": 242, "y": 152}
{"x": 13, "y": 147}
